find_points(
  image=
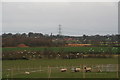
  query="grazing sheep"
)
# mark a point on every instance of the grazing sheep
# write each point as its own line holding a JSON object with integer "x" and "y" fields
{"x": 27, "y": 72}
{"x": 87, "y": 69}
{"x": 8, "y": 69}
{"x": 77, "y": 69}
{"x": 63, "y": 69}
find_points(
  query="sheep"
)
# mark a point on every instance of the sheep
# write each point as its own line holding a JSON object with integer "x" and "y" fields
{"x": 87, "y": 69}
{"x": 27, "y": 72}
{"x": 8, "y": 69}
{"x": 75, "y": 69}
{"x": 63, "y": 69}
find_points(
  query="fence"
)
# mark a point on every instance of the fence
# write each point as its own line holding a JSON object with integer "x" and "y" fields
{"x": 97, "y": 70}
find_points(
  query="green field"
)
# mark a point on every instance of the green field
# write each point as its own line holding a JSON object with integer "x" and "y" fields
{"x": 50, "y": 68}
{"x": 66, "y": 49}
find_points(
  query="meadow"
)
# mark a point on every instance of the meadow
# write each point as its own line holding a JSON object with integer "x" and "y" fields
{"x": 50, "y": 68}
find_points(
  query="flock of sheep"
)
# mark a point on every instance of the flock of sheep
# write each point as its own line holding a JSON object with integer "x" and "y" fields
{"x": 76, "y": 69}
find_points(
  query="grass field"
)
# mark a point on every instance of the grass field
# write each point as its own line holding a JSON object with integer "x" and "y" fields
{"x": 50, "y": 68}
{"x": 66, "y": 49}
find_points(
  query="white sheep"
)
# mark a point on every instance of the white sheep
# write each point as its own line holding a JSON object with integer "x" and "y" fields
{"x": 87, "y": 69}
{"x": 27, "y": 72}
{"x": 76, "y": 69}
{"x": 63, "y": 69}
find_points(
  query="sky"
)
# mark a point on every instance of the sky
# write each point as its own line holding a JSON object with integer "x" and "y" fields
{"x": 76, "y": 18}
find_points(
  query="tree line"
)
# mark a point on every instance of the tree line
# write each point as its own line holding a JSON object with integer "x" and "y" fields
{"x": 38, "y": 39}
{"x": 31, "y": 39}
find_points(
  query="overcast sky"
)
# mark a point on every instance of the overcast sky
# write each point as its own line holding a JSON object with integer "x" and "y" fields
{"x": 78, "y": 18}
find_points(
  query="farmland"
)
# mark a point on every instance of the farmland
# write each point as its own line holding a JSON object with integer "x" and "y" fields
{"x": 50, "y": 67}
{"x": 66, "y": 49}
{"x": 60, "y": 40}
{"x": 40, "y": 68}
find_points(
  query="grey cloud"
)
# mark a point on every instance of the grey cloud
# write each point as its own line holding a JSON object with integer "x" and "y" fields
{"x": 76, "y": 18}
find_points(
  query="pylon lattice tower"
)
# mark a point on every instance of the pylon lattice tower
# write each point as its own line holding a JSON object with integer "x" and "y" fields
{"x": 59, "y": 30}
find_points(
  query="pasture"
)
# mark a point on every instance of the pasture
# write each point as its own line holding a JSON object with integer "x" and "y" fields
{"x": 50, "y": 68}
